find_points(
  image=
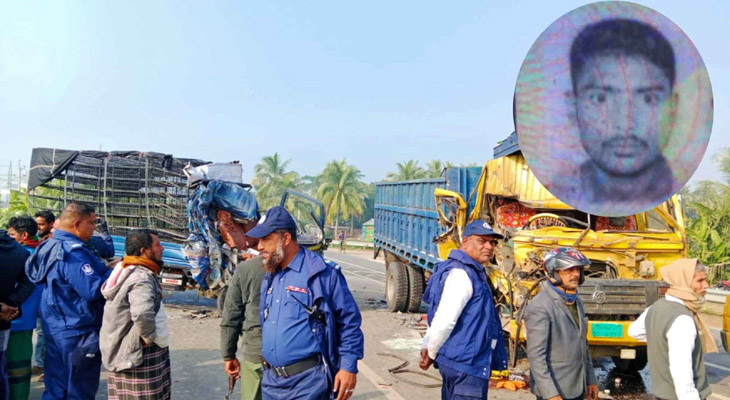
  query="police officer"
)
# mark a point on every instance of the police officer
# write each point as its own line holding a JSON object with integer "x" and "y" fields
{"x": 464, "y": 337}
{"x": 310, "y": 322}
{"x": 71, "y": 306}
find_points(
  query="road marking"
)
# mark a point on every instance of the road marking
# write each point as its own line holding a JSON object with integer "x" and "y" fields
{"x": 376, "y": 380}
{"x": 360, "y": 276}
{"x": 717, "y": 366}
{"x": 355, "y": 265}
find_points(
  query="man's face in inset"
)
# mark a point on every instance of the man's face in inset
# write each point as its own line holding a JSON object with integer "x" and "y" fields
{"x": 623, "y": 104}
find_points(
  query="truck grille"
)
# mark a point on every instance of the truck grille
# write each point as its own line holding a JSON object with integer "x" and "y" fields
{"x": 618, "y": 296}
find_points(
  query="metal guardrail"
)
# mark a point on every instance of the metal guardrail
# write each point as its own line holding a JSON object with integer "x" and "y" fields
{"x": 716, "y": 295}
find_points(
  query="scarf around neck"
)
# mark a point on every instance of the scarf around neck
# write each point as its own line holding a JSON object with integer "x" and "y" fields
{"x": 679, "y": 275}
{"x": 568, "y": 295}
{"x": 142, "y": 261}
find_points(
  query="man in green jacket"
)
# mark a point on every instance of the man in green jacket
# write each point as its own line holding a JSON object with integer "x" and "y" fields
{"x": 241, "y": 316}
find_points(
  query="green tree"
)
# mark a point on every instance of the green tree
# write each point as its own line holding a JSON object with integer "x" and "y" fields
{"x": 406, "y": 171}
{"x": 434, "y": 168}
{"x": 341, "y": 191}
{"x": 272, "y": 179}
{"x": 707, "y": 208}
{"x": 18, "y": 207}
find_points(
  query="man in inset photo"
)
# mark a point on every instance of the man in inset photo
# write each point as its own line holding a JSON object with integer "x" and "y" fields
{"x": 623, "y": 74}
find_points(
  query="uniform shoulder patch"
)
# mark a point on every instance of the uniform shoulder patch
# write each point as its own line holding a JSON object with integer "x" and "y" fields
{"x": 87, "y": 269}
{"x": 333, "y": 265}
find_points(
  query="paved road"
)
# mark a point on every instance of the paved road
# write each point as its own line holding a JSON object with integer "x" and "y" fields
{"x": 371, "y": 275}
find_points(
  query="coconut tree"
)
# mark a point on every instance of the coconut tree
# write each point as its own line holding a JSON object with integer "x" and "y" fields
{"x": 272, "y": 179}
{"x": 434, "y": 168}
{"x": 406, "y": 171}
{"x": 341, "y": 191}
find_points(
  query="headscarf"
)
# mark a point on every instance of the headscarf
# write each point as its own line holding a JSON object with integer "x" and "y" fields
{"x": 679, "y": 275}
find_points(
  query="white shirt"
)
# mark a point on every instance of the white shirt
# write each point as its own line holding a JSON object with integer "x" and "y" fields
{"x": 457, "y": 292}
{"x": 681, "y": 342}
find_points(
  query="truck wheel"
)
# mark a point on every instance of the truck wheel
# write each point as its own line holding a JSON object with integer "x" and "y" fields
{"x": 221, "y": 299}
{"x": 632, "y": 366}
{"x": 415, "y": 288}
{"x": 396, "y": 287}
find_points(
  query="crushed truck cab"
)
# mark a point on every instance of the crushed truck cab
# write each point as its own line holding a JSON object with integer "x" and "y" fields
{"x": 626, "y": 253}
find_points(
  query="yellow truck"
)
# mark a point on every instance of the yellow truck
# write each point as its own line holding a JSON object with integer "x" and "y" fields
{"x": 626, "y": 253}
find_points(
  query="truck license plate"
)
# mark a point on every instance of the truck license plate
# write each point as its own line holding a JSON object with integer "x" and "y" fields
{"x": 600, "y": 330}
{"x": 175, "y": 282}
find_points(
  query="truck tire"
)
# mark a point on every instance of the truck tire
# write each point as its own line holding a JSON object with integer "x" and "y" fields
{"x": 396, "y": 287}
{"x": 632, "y": 366}
{"x": 415, "y": 288}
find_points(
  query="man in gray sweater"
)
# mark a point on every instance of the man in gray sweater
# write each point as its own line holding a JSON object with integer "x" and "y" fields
{"x": 241, "y": 317}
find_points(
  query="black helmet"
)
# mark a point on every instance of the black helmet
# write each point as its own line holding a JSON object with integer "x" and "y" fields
{"x": 563, "y": 258}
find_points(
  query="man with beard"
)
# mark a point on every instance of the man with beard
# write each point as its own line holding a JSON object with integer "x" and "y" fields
{"x": 241, "y": 318}
{"x": 623, "y": 74}
{"x": 134, "y": 344}
{"x": 71, "y": 305}
{"x": 310, "y": 321}
{"x": 676, "y": 338}
{"x": 45, "y": 220}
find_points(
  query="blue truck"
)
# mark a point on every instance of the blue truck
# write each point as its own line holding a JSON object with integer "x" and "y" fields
{"x": 408, "y": 226}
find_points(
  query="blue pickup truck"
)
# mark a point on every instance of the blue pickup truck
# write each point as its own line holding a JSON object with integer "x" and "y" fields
{"x": 408, "y": 228}
{"x": 176, "y": 274}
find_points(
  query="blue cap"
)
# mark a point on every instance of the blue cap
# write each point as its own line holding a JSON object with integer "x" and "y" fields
{"x": 275, "y": 218}
{"x": 480, "y": 227}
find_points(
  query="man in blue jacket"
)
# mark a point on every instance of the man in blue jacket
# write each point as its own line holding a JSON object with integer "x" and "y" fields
{"x": 71, "y": 306}
{"x": 310, "y": 322}
{"x": 464, "y": 336}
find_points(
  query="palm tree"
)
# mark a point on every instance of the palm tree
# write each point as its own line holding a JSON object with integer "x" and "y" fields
{"x": 435, "y": 167}
{"x": 407, "y": 170}
{"x": 341, "y": 191}
{"x": 272, "y": 179}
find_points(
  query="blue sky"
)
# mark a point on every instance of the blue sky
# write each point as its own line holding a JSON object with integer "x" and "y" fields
{"x": 375, "y": 82}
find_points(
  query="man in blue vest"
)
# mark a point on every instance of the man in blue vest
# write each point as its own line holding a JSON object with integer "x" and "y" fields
{"x": 309, "y": 320}
{"x": 71, "y": 306}
{"x": 464, "y": 338}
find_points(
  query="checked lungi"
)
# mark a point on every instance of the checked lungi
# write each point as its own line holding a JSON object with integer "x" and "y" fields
{"x": 149, "y": 381}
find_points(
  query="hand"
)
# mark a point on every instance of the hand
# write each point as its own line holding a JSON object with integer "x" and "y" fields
{"x": 556, "y": 398}
{"x": 246, "y": 256}
{"x": 232, "y": 368}
{"x": 8, "y": 313}
{"x": 426, "y": 361}
{"x": 101, "y": 225}
{"x": 344, "y": 384}
{"x": 592, "y": 392}
{"x": 113, "y": 263}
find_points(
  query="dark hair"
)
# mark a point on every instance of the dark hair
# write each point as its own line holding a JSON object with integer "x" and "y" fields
{"x": 76, "y": 209}
{"x": 137, "y": 239}
{"x": 47, "y": 216}
{"x": 623, "y": 36}
{"x": 24, "y": 224}
{"x": 292, "y": 232}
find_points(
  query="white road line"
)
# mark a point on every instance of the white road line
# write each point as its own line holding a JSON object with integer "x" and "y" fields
{"x": 355, "y": 265}
{"x": 717, "y": 366}
{"x": 376, "y": 380}
{"x": 346, "y": 272}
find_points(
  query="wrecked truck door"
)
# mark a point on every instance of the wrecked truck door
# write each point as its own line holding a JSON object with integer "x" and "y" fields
{"x": 309, "y": 215}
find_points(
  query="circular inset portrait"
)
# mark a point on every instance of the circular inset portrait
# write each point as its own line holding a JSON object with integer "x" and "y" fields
{"x": 613, "y": 108}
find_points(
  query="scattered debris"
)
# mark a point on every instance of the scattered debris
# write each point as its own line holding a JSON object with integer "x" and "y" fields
{"x": 401, "y": 369}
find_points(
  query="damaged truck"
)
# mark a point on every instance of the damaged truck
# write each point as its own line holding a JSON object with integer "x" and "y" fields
{"x": 198, "y": 208}
{"x": 417, "y": 224}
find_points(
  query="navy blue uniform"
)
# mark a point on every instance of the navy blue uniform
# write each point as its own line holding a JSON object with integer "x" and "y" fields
{"x": 290, "y": 335}
{"x": 71, "y": 314}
